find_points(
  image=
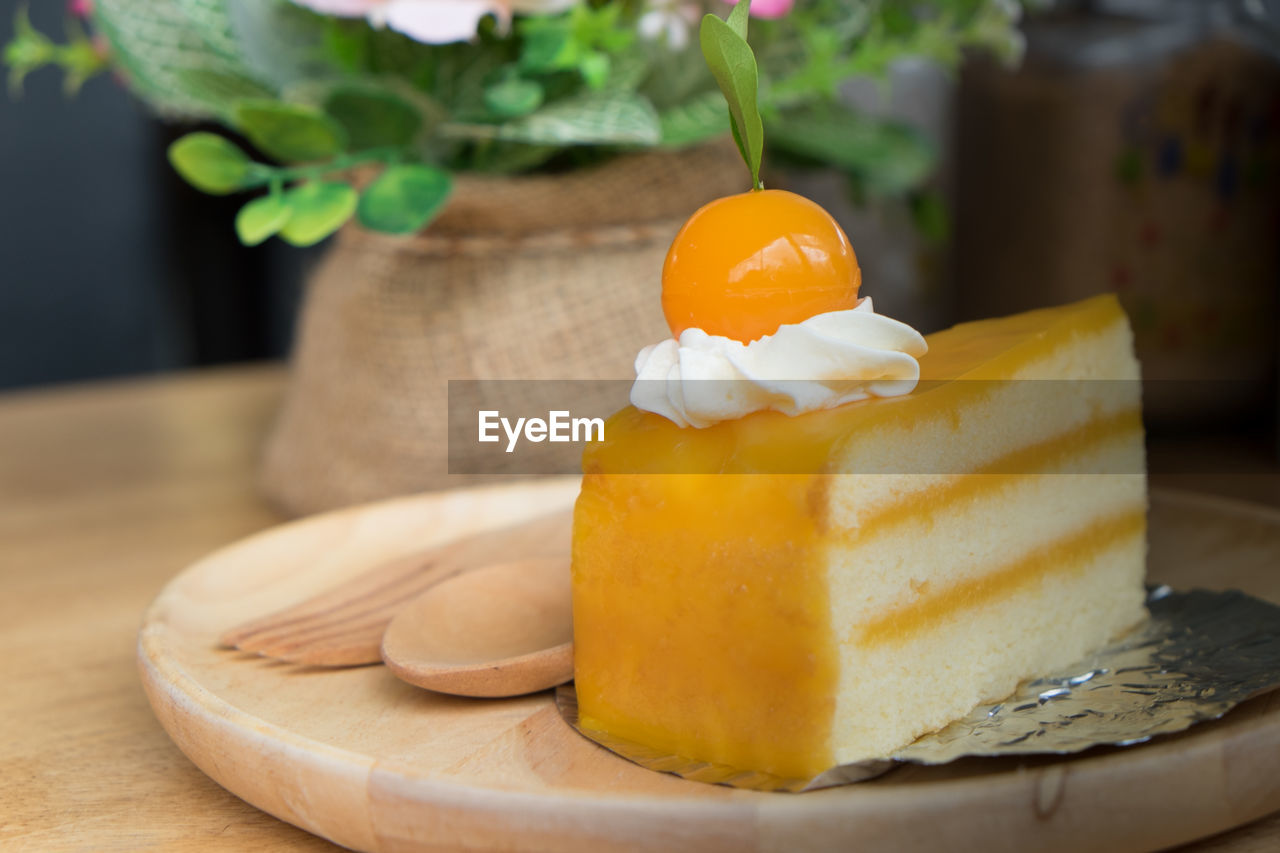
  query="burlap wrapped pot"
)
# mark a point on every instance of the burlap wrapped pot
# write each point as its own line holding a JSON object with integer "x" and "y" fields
{"x": 534, "y": 277}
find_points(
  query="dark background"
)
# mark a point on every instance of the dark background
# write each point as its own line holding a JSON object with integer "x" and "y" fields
{"x": 109, "y": 264}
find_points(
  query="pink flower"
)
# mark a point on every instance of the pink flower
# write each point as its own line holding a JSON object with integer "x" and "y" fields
{"x": 768, "y": 8}
{"x": 81, "y": 8}
{"x": 434, "y": 21}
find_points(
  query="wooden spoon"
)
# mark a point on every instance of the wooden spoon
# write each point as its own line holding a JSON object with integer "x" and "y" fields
{"x": 501, "y": 630}
{"x": 343, "y": 626}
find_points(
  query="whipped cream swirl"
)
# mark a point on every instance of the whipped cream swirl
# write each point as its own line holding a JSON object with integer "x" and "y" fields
{"x": 826, "y": 361}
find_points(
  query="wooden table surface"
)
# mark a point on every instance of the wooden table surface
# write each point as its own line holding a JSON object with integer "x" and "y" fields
{"x": 106, "y": 491}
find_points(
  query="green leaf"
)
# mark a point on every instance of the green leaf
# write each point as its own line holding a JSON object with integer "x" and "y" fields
{"x": 404, "y": 198}
{"x": 280, "y": 42}
{"x": 319, "y": 209}
{"x": 696, "y": 120}
{"x": 619, "y": 118}
{"x": 28, "y": 50}
{"x": 734, "y": 66}
{"x": 594, "y": 69}
{"x": 373, "y": 119}
{"x": 742, "y": 149}
{"x": 628, "y": 71}
{"x": 262, "y": 218}
{"x": 513, "y": 97}
{"x": 213, "y": 85}
{"x": 210, "y": 163}
{"x": 290, "y": 133}
{"x": 548, "y": 45}
{"x": 348, "y": 42}
{"x": 585, "y": 40}
{"x": 738, "y": 18}
{"x": 152, "y": 42}
{"x": 601, "y": 27}
{"x": 79, "y": 58}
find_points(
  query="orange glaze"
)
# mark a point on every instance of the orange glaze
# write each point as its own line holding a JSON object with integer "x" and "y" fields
{"x": 701, "y": 612}
{"x": 746, "y": 264}
{"x": 701, "y": 606}
{"x": 981, "y": 353}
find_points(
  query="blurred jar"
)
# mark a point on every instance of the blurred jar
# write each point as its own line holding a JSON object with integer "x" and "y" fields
{"x": 1136, "y": 151}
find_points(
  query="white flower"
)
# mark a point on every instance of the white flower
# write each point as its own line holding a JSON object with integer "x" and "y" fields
{"x": 671, "y": 20}
{"x": 435, "y": 21}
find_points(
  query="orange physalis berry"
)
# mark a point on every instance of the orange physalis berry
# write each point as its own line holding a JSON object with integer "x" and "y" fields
{"x": 746, "y": 264}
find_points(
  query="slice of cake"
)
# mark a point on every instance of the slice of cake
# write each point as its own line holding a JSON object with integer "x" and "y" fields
{"x": 786, "y": 594}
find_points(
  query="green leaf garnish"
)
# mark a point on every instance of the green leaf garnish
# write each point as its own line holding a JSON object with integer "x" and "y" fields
{"x": 404, "y": 198}
{"x": 319, "y": 209}
{"x": 262, "y": 218}
{"x": 290, "y": 133}
{"x": 210, "y": 163}
{"x": 738, "y": 17}
{"x": 732, "y": 63}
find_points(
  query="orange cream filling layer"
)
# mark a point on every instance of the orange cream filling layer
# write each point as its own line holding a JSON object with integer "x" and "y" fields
{"x": 1049, "y": 455}
{"x": 1068, "y": 554}
{"x": 702, "y": 612}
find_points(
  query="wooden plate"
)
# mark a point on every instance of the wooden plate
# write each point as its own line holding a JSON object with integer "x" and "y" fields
{"x": 368, "y": 762}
